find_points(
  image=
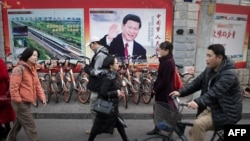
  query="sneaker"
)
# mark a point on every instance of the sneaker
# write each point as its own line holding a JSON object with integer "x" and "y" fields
{"x": 87, "y": 131}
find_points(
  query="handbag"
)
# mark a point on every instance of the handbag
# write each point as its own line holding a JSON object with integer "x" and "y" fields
{"x": 177, "y": 80}
{"x": 103, "y": 106}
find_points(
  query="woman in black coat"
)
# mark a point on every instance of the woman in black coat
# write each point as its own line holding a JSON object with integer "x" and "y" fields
{"x": 165, "y": 78}
{"x": 109, "y": 90}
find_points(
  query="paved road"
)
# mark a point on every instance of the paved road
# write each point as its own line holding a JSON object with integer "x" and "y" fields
{"x": 68, "y": 121}
{"x": 76, "y": 110}
{"x": 73, "y": 130}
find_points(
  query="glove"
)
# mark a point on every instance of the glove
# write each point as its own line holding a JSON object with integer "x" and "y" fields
{"x": 87, "y": 69}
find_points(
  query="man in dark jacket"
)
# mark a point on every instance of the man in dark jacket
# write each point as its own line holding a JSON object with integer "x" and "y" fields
{"x": 93, "y": 70}
{"x": 220, "y": 101}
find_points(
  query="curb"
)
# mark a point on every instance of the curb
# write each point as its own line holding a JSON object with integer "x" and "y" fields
{"x": 124, "y": 115}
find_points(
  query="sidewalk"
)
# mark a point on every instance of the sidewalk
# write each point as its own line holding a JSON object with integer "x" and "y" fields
{"x": 76, "y": 110}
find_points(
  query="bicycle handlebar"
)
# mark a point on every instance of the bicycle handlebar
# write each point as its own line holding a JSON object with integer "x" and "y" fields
{"x": 84, "y": 59}
{"x": 153, "y": 55}
{"x": 179, "y": 102}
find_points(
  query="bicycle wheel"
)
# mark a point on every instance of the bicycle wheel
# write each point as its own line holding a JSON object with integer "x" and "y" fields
{"x": 67, "y": 91}
{"x": 124, "y": 99}
{"x": 54, "y": 88}
{"x": 136, "y": 92}
{"x": 146, "y": 91}
{"x": 59, "y": 83}
{"x": 190, "y": 79}
{"x": 46, "y": 88}
{"x": 186, "y": 78}
{"x": 83, "y": 93}
{"x": 157, "y": 138}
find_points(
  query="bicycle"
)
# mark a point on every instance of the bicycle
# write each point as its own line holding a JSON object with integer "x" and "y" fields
{"x": 130, "y": 83}
{"x": 147, "y": 78}
{"x": 168, "y": 120}
{"x": 49, "y": 80}
{"x": 186, "y": 77}
{"x": 81, "y": 83}
{"x": 64, "y": 86}
{"x": 69, "y": 80}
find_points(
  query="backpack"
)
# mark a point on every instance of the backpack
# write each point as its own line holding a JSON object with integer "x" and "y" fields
{"x": 177, "y": 80}
{"x": 95, "y": 81}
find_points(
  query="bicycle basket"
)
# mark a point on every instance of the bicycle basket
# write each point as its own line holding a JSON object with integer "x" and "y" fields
{"x": 165, "y": 116}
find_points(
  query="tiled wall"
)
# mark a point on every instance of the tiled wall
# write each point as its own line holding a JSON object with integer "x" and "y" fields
{"x": 185, "y": 32}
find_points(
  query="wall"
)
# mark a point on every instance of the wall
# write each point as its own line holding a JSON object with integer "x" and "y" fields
{"x": 186, "y": 21}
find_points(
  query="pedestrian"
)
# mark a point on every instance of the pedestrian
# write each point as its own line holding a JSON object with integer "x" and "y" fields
{"x": 25, "y": 88}
{"x": 93, "y": 70}
{"x": 7, "y": 113}
{"x": 165, "y": 78}
{"x": 123, "y": 44}
{"x": 220, "y": 101}
{"x": 110, "y": 89}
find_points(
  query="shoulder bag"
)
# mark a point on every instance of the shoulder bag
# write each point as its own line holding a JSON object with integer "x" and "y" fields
{"x": 103, "y": 106}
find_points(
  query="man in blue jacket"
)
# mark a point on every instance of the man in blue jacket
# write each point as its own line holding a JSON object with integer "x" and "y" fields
{"x": 220, "y": 101}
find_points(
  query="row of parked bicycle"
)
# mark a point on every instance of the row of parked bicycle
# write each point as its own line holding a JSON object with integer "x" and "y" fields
{"x": 64, "y": 78}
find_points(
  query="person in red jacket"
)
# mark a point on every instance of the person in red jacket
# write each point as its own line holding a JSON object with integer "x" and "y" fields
{"x": 7, "y": 113}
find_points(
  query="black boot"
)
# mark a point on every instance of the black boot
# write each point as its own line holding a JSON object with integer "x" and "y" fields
{"x": 153, "y": 132}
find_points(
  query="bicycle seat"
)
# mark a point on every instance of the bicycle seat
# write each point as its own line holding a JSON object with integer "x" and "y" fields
{"x": 179, "y": 66}
{"x": 144, "y": 70}
{"x": 133, "y": 69}
{"x": 153, "y": 72}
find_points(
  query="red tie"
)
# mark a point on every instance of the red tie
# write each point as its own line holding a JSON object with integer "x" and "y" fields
{"x": 126, "y": 52}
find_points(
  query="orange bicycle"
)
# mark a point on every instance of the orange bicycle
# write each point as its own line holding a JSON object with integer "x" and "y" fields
{"x": 81, "y": 83}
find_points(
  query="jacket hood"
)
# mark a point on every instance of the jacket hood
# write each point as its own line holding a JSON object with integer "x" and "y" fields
{"x": 26, "y": 64}
{"x": 227, "y": 63}
{"x": 102, "y": 48}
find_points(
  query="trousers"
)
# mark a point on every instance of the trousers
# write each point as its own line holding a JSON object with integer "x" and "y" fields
{"x": 93, "y": 99}
{"x": 201, "y": 125}
{"x": 23, "y": 119}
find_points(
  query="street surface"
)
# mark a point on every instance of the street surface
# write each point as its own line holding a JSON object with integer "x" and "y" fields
{"x": 74, "y": 130}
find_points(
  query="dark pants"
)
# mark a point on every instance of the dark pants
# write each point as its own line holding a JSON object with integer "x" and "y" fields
{"x": 94, "y": 132}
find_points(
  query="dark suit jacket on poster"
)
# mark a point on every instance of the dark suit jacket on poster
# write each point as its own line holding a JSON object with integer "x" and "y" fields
{"x": 117, "y": 48}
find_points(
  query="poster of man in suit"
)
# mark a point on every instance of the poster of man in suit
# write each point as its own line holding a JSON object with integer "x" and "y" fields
{"x": 141, "y": 30}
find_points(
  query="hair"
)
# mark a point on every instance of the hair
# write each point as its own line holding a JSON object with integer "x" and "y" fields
{"x": 218, "y": 49}
{"x": 27, "y": 53}
{"x": 167, "y": 46}
{"x": 109, "y": 60}
{"x": 132, "y": 17}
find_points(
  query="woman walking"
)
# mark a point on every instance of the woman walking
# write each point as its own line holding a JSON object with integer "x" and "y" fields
{"x": 165, "y": 78}
{"x": 25, "y": 88}
{"x": 109, "y": 90}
